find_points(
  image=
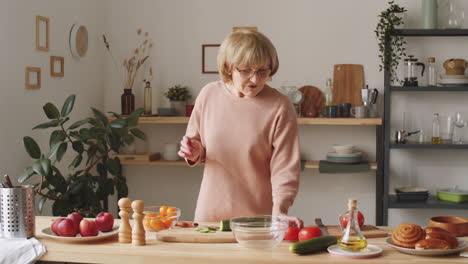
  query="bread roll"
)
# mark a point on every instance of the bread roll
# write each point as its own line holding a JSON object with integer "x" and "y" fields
{"x": 431, "y": 229}
{"x": 407, "y": 235}
{"x": 432, "y": 243}
{"x": 446, "y": 236}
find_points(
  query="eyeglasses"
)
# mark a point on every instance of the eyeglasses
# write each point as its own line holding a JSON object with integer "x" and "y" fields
{"x": 247, "y": 74}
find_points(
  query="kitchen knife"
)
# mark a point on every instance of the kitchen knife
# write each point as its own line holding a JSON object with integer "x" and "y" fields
{"x": 318, "y": 222}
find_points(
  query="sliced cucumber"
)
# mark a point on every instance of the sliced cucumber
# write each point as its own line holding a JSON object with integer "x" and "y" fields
{"x": 225, "y": 225}
{"x": 312, "y": 245}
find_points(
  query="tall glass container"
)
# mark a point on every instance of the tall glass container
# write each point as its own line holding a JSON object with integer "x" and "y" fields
{"x": 329, "y": 92}
{"x": 431, "y": 72}
{"x": 436, "y": 139}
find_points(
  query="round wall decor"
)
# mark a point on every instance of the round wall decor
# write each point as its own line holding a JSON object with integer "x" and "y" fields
{"x": 78, "y": 40}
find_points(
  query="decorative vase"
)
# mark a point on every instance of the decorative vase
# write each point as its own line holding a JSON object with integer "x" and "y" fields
{"x": 179, "y": 106}
{"x": 128, "y": 102}
{"x": 429, "y": 14}
{"x": 147, "y": 104}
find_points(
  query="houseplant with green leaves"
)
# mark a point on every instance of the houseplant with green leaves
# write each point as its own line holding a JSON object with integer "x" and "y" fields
{"x": 93, "y": 174}
{"x": 392, "y": 48}
{"x": 178, "y": 96}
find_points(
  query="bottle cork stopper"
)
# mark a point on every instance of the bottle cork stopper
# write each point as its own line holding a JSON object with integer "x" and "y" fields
{"x": 124, "y": 203}
{"x": 431, "y": 59}
{"x": 352, "y": 203}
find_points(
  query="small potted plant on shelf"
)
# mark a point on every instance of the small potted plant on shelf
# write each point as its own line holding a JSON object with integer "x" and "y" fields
{"x": 178, "y": 96}
{"x": 389, "y": 20}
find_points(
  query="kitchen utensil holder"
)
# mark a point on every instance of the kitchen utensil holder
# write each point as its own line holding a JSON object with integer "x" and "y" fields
{"x": 17, "y": 216}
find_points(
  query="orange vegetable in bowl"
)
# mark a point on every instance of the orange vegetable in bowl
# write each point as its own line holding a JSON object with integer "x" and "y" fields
{"x": 160, "y": 217}
{"x": 163, "y": 210}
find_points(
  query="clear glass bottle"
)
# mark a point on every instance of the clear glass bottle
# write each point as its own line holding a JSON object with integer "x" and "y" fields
{"x": 147, "y": 103}
{"x": 431, "y": 72}
{"x": 329, "y": 92}
{"x": 352, "y": 238}
{"x": 436, "y": 130}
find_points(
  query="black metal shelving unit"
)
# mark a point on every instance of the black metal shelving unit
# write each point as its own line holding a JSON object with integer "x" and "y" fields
{"x": 389, "y": 201}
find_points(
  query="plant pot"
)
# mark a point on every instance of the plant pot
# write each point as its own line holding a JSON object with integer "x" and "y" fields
{"x": 179, "y": 106}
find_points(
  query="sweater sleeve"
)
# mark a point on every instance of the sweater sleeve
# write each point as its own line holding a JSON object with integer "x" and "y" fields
{"x": 285, "y": 161}
{"x": 194, "y": 130}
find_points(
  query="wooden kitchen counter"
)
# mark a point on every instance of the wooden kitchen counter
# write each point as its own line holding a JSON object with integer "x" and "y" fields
{"x": 110, "y": 251}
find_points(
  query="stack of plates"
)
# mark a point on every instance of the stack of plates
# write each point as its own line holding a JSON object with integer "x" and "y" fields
{"x": 334, "y": 157}
{"x": 451, "y": 80}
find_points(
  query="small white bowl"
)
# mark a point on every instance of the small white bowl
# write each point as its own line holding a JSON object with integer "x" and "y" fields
{"x": 343, "y": 149}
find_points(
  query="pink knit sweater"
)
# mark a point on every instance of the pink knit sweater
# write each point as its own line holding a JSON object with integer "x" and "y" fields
{"x": 251, "y": 153}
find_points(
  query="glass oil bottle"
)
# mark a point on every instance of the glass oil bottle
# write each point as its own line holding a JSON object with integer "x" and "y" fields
{"x": 352, "y": 238}
{"x": 436, "y": 139}
{"x": 329, "y": 92}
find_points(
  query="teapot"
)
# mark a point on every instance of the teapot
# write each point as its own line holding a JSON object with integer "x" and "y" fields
{"x": 455, "y": 66}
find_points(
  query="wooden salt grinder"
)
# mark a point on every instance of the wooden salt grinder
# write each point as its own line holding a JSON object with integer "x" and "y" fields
{"x": 138, "y": 232}
{"x": 125, "y": 230}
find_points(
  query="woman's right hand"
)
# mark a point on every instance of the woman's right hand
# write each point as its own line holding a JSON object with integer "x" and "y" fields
{"x": 189, "y": 149}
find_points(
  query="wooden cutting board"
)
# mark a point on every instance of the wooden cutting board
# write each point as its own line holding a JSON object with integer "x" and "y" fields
{"x": 369, "y": 231}
{"x": 314, "y": 100}
{"x": 348, "y": 80}
{"x": 189, "y": 235}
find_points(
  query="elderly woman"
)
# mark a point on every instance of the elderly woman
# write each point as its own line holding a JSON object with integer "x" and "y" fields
{"x": 246, "y": 134}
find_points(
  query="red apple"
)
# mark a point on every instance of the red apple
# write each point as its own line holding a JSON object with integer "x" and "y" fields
{"x": 53, "y": 226}
{"x": 67, "y": 228}
{"x": 88, "y": 228}
{"x": 104, "y": 221}
{"x": 76, "y": 217}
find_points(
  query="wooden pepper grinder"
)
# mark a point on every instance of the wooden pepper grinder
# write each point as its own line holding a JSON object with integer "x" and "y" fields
{"x": 138, "y": 232}
{"x": 125, "y": 230}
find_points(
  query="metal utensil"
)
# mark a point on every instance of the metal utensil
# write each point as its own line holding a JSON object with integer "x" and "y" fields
{"x": 7, "y": 182}
{"x": 318, "y": 222}
{"x": 373, "y": 96}
{"x": 401, "y": 135}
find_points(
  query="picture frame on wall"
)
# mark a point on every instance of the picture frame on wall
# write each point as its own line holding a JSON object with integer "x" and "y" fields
{"x": 57, "y": 66}
{"x": 42, "y": 33}
{"x": 32, "y": 77}
{"x": 209, "y": 54}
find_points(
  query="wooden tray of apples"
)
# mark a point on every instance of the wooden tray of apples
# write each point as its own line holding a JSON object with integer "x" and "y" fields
{"x": 74, "y": 228}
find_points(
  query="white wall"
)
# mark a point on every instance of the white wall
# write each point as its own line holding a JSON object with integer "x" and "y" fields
{"x": 20, "y": 108}
{"x": 311, "y": 36}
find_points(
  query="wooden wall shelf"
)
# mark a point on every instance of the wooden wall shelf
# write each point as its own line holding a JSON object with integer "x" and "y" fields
{"x": 310, "y": 164}
{"x": 301, "y": 121}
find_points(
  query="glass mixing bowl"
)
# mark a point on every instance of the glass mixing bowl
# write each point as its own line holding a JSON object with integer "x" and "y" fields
{"x": 259, "y": 232}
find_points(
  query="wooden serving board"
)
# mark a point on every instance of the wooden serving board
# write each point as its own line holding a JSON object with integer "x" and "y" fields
{"x": 348, "y": 80}
{"x": 189, "y": 235}
{"x": 369, "y": 231}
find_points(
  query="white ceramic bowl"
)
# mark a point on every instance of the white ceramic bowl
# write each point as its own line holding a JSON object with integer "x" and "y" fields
{"x": 259, "y": 232}
{"x": 343, "y": 149}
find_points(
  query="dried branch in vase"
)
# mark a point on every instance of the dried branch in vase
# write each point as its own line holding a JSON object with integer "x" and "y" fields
{"x": 134, "y": 63}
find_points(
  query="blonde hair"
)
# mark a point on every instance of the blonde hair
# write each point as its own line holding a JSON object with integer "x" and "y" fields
{"x": 246, "y": 48}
